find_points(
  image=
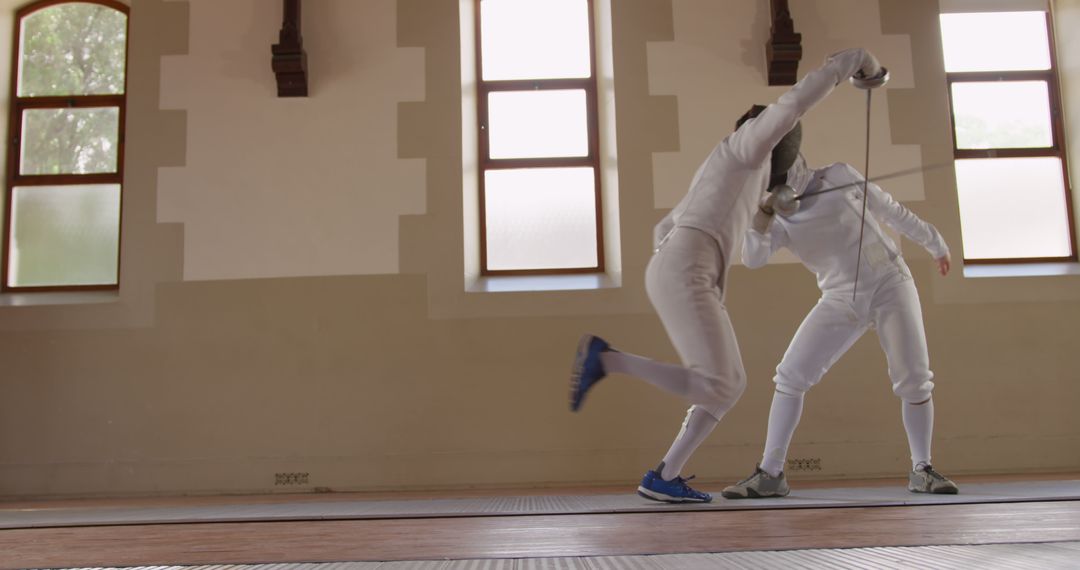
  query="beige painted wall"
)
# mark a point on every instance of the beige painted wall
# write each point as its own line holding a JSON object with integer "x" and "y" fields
{"x": 370, "y": 367}
{"x": 294, "y": 186}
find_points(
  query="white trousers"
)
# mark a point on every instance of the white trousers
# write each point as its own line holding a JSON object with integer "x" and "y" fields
{"x": 684, "y": 281}
{"x": 891, "y": 305}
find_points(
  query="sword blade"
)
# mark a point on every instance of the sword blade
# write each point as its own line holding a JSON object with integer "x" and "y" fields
{"x": 876, "y": 179}
{"x": 865, "y": 194}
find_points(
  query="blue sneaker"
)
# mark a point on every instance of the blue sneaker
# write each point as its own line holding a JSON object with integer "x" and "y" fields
{"x": 588, "y": 370}
{"x": 655, "y": 488}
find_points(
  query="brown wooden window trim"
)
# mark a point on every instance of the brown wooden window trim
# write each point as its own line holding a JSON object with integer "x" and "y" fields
{"x": 1050, "y": 76}
{"x": 485, "y": 163}
{"x": 15, "y": 119}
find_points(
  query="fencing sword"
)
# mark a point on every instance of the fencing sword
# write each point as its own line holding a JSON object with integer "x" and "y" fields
{"x": 866, "y": 176}
{"x": 868, "y": 84}
{"x": 876, "y": 179}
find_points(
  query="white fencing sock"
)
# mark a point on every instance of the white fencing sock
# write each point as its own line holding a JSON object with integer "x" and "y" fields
{"x": 695, "y": 428}
{"x": 669, "y": 377}
{"x": 919, "y": 424}
{"x": 783, "y": 419}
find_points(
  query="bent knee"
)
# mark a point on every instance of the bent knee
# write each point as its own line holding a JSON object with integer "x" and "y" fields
{"x": 722, "y": 392}
{"x": 794, "y": 383}
{"x": 914, "y": 390}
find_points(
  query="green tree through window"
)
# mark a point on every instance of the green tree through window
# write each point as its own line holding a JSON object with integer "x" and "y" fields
{"x": 73, "y": 49}
{"x": 65, "y": 168}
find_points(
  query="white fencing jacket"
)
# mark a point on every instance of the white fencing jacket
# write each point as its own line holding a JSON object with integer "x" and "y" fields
{"x": 824, "y": 232}
{"x": 725, "y": 189}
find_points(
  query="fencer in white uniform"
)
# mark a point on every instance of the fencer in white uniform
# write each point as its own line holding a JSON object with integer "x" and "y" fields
{"x": 686, "y": 277}
{"x": 858, "y": 293}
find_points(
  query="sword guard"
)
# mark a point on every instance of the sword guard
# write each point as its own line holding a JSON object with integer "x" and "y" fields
{"x": 878, "y": 80}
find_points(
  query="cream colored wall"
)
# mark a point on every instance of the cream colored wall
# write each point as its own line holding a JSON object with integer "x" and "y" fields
{"x": 189, "y": 382}
{"x": 281, "y": 187}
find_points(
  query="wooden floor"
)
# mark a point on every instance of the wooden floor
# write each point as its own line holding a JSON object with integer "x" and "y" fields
{"x": 537, "y": 536}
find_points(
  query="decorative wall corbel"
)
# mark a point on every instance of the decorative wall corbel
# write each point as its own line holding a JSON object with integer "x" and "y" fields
{"x": 784, "y": 48}
{"x": 289, "y": 58}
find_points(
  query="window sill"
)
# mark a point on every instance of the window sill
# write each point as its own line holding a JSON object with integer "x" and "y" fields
{"x": 1021, "y": 270}
{"x": 591, "y": 281}
{"x": 64, "y": 298}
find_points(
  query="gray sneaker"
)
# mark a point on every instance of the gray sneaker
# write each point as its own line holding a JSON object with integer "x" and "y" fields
{"x": 757, "y": 486}
{"x": 926, "y": 480}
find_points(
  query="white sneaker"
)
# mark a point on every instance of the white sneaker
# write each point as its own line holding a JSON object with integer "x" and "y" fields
{"x": 758, "y": 485}
{"x": 925, "y": 480}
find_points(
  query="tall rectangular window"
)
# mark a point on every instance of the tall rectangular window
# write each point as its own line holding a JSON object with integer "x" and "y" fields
{"x": 1008, "y": 137}
{"x": 539, "y": 159}
{"x": 66, "y": 147}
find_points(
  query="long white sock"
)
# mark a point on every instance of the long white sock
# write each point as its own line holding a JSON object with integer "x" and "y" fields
{"x": 783, "y": 419}
{"x": 695, "y": 428}
{"x": 919, "y": 424}
{"x": 669, "y": 377}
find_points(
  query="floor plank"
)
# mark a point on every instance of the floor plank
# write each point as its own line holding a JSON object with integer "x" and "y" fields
{"x": 312, "y": 497}
{"x": 1041, "y": 556}
{"x": 595, "y": 503}
{"x": 539, "y": 536}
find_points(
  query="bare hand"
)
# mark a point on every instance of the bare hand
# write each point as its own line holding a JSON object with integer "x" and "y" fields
{"x": 943, "y": 263}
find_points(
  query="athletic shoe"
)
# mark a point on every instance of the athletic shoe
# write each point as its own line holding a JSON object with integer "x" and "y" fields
{"x": 588, "y": 370}
{"x": 656, "y": 488}
{"x": 925, "y": 480}
{"x": 758, "y": 486}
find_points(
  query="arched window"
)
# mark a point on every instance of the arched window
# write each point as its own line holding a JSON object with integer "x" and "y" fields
{"x": 65, "y": 159}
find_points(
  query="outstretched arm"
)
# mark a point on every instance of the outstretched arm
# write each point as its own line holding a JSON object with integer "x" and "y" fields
{"x": 895, "y": 215}
{"x": 756, "y": 139}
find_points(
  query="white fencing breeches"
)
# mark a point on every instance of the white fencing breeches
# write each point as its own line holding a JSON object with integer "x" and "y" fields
{"x": 684, "y": 281}
{"x": 892, "y": 306}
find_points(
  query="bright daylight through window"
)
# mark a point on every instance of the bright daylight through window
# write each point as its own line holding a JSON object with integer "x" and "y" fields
{"x": 65, "y": 160}
{"x": 539, "y": 178}
{"x": 1009, "y": 147}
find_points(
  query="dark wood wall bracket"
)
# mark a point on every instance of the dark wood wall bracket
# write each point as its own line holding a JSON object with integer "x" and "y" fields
{"x": 784, "y": 48}
{"x": 290, "y": 60}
